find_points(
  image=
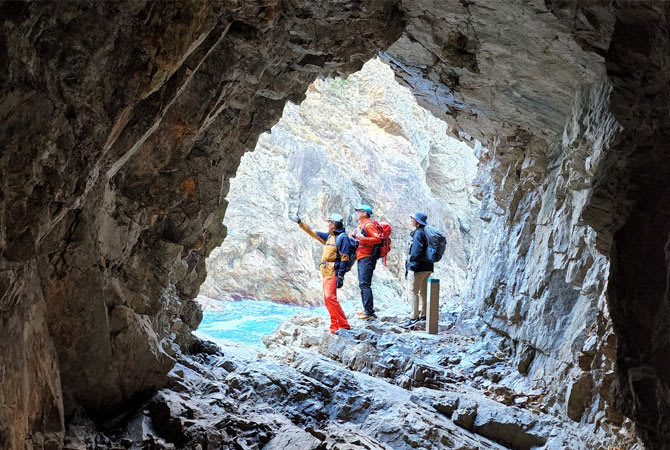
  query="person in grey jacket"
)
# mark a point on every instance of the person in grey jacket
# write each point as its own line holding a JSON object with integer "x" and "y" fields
{"x": 418, "y": 269}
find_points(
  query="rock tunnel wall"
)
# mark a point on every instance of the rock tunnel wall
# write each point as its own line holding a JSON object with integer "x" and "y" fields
{"x": 122, "y": 123}
{"x": 602, "y": 160}
{"x": 629, "y": 209}
{"x": 546, "y": 269}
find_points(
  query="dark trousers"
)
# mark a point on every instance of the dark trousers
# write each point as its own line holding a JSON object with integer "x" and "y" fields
{"x": 365, "y": 268}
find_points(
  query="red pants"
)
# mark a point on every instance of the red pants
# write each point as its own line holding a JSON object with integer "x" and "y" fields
{"x": 337, "y": 318}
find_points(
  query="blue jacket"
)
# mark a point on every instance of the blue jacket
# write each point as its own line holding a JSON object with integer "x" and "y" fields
{"x": 416, "y": 261}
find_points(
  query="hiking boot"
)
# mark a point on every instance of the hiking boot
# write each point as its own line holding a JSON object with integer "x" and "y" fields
{"x": 367, "y": 316}
{"x": 360, "y": 313}
{"x": 410, "y": 322}
{"x": 339, "y": 330}
{"x": 422, "y": 318}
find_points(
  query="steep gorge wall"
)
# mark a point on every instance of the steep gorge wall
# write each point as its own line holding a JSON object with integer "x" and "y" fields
{"x": 581, "y": 87}
{"x": 629, "y": 209}
{"x": 546, "y": 269}
{"x": 624, "y": 186}
{"x": 538, "y": 278}
{"x": 123, "y": 122}
{"x": 353, "y": 140}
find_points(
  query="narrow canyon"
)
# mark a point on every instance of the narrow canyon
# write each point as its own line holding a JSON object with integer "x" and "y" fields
{"x": 532, "y": 131}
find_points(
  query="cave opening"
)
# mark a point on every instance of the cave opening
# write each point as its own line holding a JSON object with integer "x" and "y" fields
{"x": 518, "y": 252}
{"x": 362, "y": 139}
{"x": 123, "y": 123}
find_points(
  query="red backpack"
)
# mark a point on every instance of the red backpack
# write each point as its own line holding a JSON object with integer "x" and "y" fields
{"x": 381, "y": 250}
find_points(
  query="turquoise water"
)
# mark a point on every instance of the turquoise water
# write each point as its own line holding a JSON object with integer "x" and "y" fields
{"x": 247, "y": 321}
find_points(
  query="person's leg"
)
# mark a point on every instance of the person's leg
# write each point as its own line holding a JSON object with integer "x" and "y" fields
{"x": 337, "y": 317}
{"x": 373, "y": 264}
{"x": 360, "y": 267}
{"x": 365, "y": 268}
{"x": 423, "y": 291}
{"x": 329, "y": 291}
{"x": 326, "y": 287}
{"x": 413, "y": 295}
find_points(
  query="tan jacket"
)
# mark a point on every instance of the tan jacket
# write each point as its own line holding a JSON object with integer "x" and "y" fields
{"x": 329, "y": 255}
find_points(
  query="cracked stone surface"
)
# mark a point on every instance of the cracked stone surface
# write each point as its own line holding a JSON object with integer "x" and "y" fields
{"x": 377, "y": 386}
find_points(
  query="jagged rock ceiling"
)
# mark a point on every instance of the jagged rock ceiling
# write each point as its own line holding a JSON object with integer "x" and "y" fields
{"x": 122, "y": 122}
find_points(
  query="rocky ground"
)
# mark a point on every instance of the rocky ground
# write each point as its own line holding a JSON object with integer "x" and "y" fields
{"x": 378, "y": 386}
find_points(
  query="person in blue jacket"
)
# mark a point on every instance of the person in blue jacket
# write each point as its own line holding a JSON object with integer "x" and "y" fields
{"x": 418, "y": 269}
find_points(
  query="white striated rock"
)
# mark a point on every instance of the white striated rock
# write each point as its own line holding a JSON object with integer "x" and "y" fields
{"x": 359, "y": 139}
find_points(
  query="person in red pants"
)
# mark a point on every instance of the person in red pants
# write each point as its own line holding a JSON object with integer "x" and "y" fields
{"x": 335, "y": 262}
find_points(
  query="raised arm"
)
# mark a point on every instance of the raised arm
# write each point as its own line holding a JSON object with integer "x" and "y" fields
{"x": 319, "y": 236}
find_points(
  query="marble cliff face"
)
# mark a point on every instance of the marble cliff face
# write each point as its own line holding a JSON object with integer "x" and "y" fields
{"x": 123, "y": 123}
{"x": 362, "y": 139}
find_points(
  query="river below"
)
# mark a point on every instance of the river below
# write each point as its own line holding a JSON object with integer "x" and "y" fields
{"x": 247, "y": 321}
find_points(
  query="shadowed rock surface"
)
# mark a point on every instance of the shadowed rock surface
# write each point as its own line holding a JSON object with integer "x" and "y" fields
{"x": 123, "y": 122}
{"x": 375, "y": 387}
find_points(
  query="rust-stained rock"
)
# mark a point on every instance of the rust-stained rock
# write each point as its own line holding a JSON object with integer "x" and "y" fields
{"x": 579, "y": 396}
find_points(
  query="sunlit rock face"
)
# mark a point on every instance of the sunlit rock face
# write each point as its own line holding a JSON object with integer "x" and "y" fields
{"x": 362, "y": 139}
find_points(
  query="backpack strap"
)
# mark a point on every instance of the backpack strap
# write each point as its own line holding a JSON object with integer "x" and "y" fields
{"x": 344, "y": 265}
{"x": 379, "y": 228}
{"x": 338, "y": 239}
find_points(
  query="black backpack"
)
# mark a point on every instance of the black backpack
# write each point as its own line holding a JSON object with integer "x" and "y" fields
{"x": 437, "y": 243}
{"x": 353, "y": 246}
